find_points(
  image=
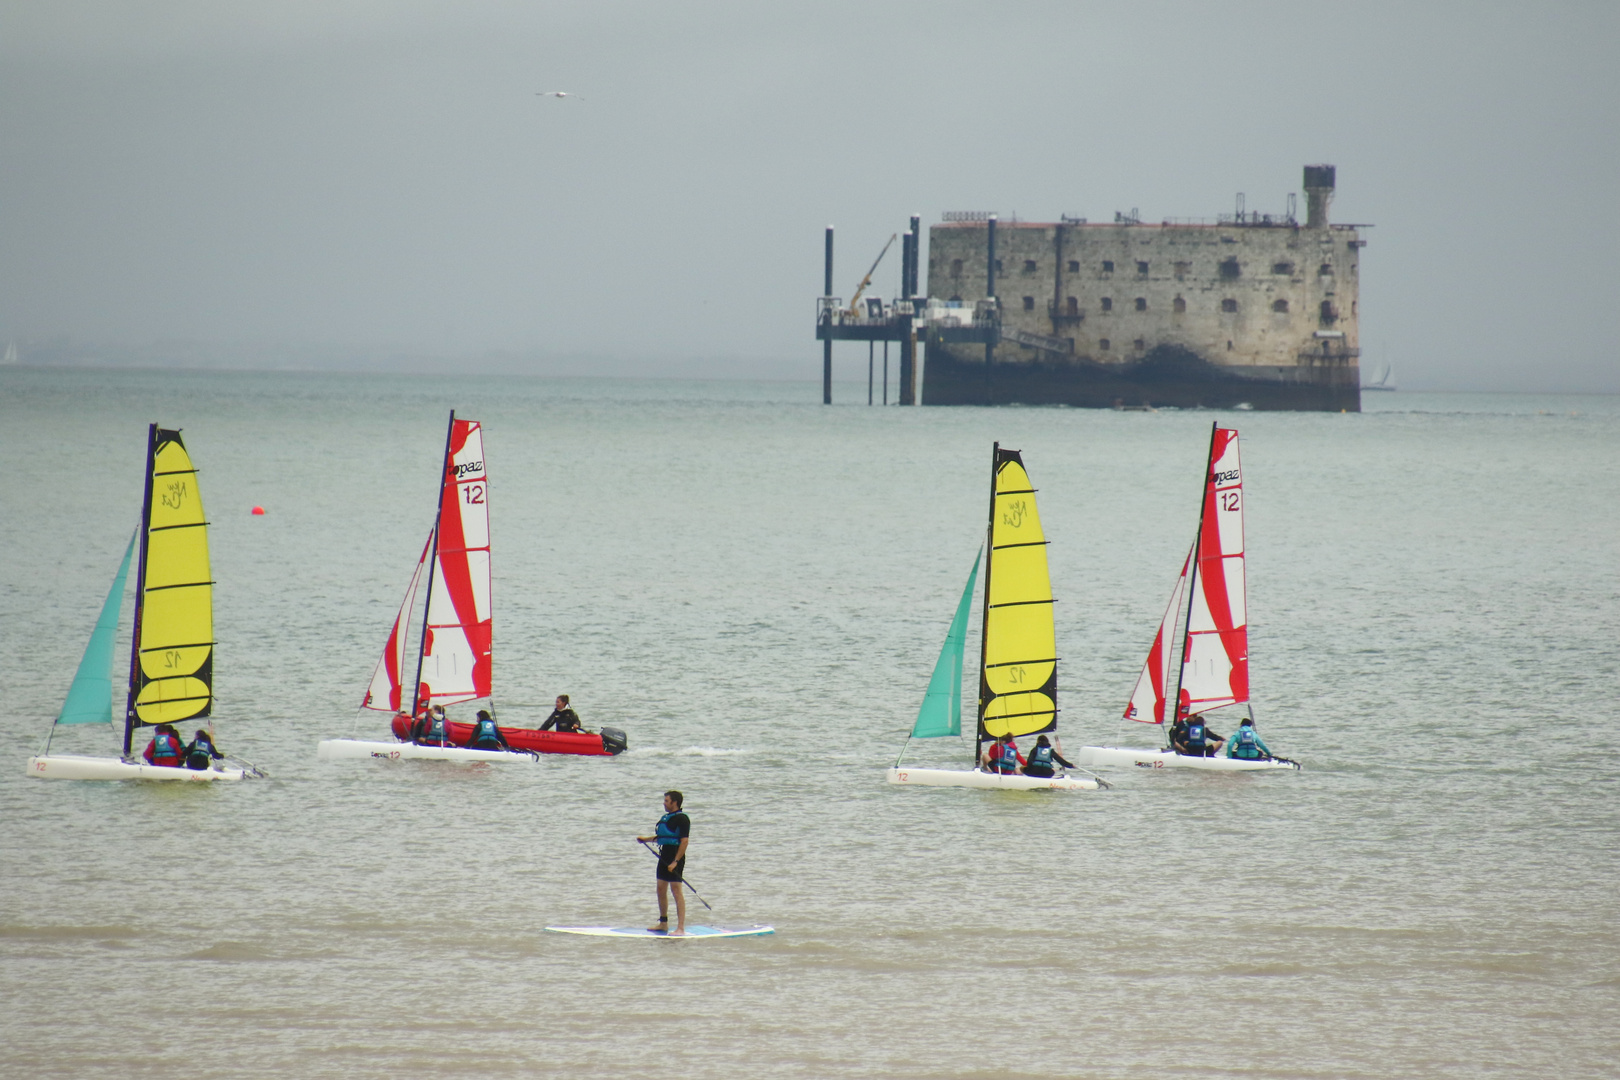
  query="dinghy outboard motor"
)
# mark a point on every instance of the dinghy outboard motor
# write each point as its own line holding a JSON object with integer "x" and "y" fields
{"x": 613, "y": 740}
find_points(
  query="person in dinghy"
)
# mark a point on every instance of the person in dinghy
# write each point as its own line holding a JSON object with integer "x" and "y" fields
{"x": 1042, "y": 757}
{"x": 1002, "y": 756}
{"x": 1193, "y": 738}
{"x": 486, "y": 734}
{"x": 167, "y": 748}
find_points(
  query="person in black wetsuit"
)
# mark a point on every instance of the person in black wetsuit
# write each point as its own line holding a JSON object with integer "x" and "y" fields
{"x": 1042, "y": 757}
{"x": 201, "y": 752}
{"x": 673, "y": 831}
{"x": 1192, "y": 738}
{"x": 486, "y": 735}
{"x": 562, "y": 717}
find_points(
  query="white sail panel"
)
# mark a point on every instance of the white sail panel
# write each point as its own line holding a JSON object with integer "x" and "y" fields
{"x": 1215, "y": 656}
{"x": 1147, "y": 700}
{"x": 385, "y": 693}
{"x": 456, "y": 649}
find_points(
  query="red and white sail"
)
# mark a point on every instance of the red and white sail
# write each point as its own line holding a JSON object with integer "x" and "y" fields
{"x": 456, "y": 646}
{"x": 1215, "y": 658}
{"x": 1147, "y": 700}
{"x": 384, "y": 694}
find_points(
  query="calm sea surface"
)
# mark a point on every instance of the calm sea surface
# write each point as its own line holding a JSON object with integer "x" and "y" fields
{"x": 754, "y": 588}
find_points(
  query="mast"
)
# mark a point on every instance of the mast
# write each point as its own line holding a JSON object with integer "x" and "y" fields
{"x": 140, "y": 592}
{"x": 1192, "y": 574}
{"x": 433, "y": 560}
{"x": 984, "y": 615}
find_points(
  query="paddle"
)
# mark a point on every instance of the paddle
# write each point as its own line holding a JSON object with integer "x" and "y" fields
{"x": 688, "y": 884}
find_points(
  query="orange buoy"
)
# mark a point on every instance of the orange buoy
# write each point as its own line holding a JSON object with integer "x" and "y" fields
{"x": 258, "y": 511}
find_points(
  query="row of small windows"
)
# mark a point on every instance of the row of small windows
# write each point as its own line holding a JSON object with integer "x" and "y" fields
{"x": 1179, "y": 306}
{"x": 1229, "y": 268}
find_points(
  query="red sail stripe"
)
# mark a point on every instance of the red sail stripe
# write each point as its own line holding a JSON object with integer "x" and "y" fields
{"x": 455, "y": 572}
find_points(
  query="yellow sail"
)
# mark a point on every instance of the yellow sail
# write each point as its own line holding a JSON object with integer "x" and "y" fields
{"x": 1018, "y": 675}
{"x": 172, "y": 674}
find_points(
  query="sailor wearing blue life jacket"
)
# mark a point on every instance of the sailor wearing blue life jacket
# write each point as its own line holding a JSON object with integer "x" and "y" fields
{"x": 1002, "y": 756}
{"x": 486, "y": 736}
{"x": 166, "y": 748}
{"x": 1194, "y": 738}
{"x": 201, "y": 752}
{"x": 1042, "y": 757}
{"x": 1246, "y": 743}
{"x": 430, "y": 729}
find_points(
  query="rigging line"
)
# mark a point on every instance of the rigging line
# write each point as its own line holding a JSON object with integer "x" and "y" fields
{"x": 1024, "y": 543}
{"x": 1018, "y": 491}
{"x": 179, "y": 472}
{"x": 180, "y": 585}
{"x": 1020, "y": 603}
{"x": 185, "y": 525}
{"x": 190, "y": 645}
{"x": 1015, "y": 663}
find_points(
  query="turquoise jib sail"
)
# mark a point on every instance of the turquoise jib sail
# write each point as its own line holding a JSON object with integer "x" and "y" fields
{"x": 941, "y": 712}
{"x": 89, "y": 699}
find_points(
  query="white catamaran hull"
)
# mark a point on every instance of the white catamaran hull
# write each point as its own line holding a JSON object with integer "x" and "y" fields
{"x": 1094, "y": 756}
{"x": 980, "y": 779}
{"x": 334, "y": 749}
{"x": 77, "y": 767}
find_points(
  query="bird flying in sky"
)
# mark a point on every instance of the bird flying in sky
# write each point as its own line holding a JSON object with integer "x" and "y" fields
{"x": 557, "y": 94}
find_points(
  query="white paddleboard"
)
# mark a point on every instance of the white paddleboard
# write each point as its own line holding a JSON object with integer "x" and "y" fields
{"x": 1096, "y": 756}
{"x": 643, "y": 932}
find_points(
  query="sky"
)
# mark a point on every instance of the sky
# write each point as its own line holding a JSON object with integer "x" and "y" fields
{"x": 352, "y": 182}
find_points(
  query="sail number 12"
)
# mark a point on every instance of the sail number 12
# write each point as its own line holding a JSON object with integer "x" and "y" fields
{"x": 473, "y": 494}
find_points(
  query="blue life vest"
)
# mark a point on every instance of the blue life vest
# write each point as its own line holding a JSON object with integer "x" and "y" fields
{"x": 1245, "y": 740}
{"x": 1041, "y": 757}
{"x": 435, "y": 730}
{"x": 1195, "y": 735}
{"x": 202, "y": 752}
{"x": 1006, "y": 758}
{"x": 487, "y": 732}
{"x": 165, "y": 746}
{"x": 666, "y": 831}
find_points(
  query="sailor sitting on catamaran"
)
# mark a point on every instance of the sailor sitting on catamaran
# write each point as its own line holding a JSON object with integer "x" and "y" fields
{"x": 166, "y": 748}
{"x": 428, "y": 729}
{"x": 1042, "y": 757}
{"x": 202, "y": 752}
{"x": 1192, "y": 738}
{"x": 1003, "y": 757}
{"x": 1246, "y": 743}
{"x": 486, "y": 736}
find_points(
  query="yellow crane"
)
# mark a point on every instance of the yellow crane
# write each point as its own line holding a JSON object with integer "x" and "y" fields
{"x": 867, "y": 280}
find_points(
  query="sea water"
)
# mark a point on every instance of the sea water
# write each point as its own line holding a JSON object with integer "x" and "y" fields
{"x": 755, "y": 587}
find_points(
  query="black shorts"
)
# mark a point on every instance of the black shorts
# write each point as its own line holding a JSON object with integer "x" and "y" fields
{"x": 663, "y": 861}
{"x": 1038, "y": 770}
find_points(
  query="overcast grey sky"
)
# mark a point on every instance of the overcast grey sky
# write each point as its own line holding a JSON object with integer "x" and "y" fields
{"x": 365, "y": 177}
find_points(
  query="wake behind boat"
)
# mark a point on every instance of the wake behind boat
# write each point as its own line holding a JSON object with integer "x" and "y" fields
{"x": 1017, "y": 646}
{"x": 171, "y": 664}
{"x": 1214, "y": 668}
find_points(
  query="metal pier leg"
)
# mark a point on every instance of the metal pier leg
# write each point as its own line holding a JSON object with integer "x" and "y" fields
{"x": 885, "y": 373}
{"x": 869, "y": 347}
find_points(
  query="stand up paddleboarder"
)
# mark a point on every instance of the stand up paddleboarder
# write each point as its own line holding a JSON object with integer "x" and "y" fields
{"x": 673, "y": 831}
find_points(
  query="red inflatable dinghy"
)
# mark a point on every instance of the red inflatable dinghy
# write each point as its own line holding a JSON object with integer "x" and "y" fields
{"x": 607, "y": 742}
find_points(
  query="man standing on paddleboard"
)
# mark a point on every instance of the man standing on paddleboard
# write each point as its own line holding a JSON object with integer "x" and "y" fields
{"x": 673, "y": 831}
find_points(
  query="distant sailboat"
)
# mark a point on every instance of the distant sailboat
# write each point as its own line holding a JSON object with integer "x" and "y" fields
{"x": 1383, "y": 382}
{"x": 11, "y": 353}
{"x": 1214, "y": 669}
{"x": 1017, "y": 649}
{"x": 171, "y": 667}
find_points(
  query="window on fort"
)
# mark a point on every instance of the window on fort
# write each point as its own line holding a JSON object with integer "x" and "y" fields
{"x": 1029, "y": 303}
{"x": 1103, "y": 344}
{"x": 998, "y": 266}
{"x": 1141, "y": 268}
{"x": 1282, "y": 268}
{"x": 1228, "y": 305}
{"x": 1141, "y": 303}
{"x": 1108, "y": 303}
{"x": 1139, "y": 344}
{"x": 1074, "y": 305}
{"x": 1352, "y": 307}
{"x": 1329, "y": 314}
{"x": 1325, "y": 269}
{"x": 1108, "y": 266}
{"x": 1179, "y": 307}
{"x": 1279, "y": 305}
{"x": 1229, "y": 269}
{"x": 956, "y": 299}
{"x": 956, "y": 268}
{"x": 1074, "y": 266}
{"x": 1183, "y": 269}
{"x": 1029, "y": 266}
